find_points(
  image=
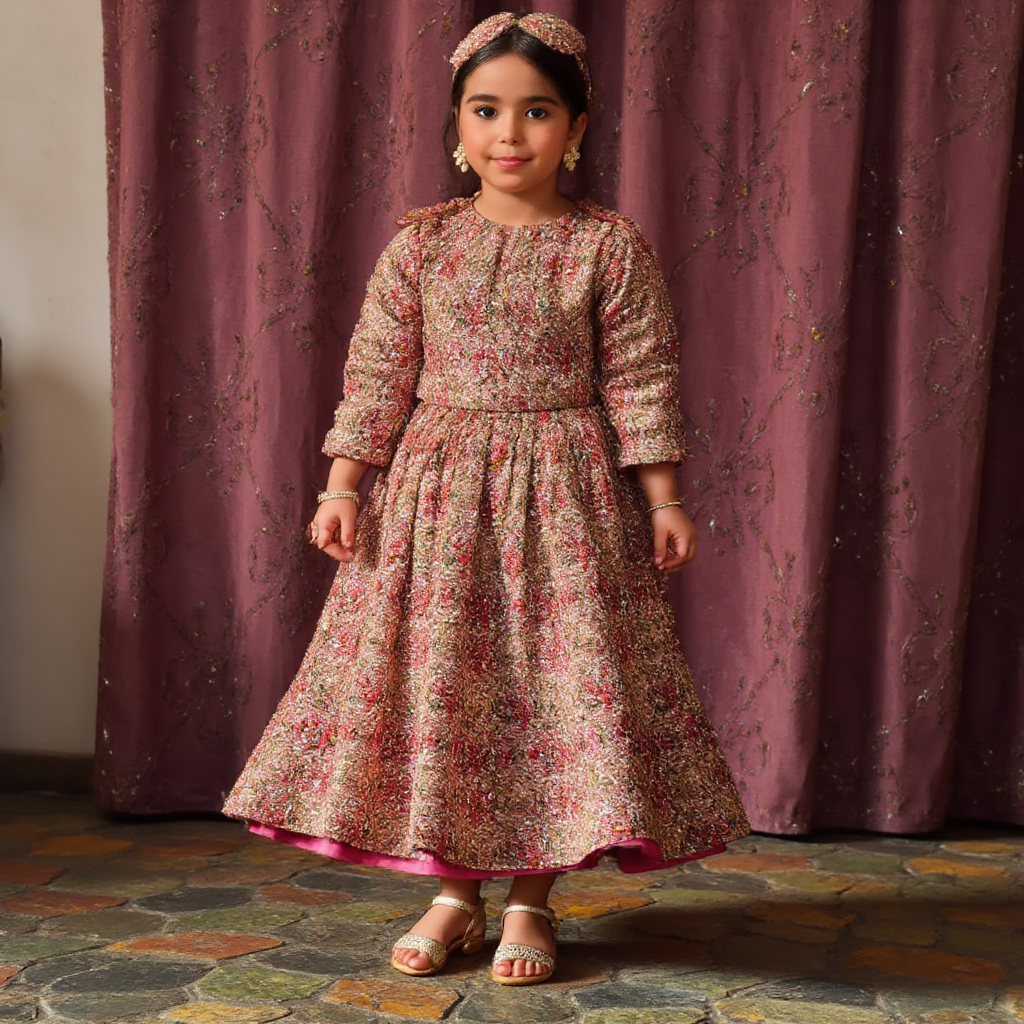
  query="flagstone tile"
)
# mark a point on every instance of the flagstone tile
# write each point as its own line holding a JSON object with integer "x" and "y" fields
{"x": 985, "y": 848}
{"x": 813, "y": 990}
{"x": 1012, "y": 1001}
{"x": 253, "y": 984}
{"x": 956, "y": 1017}
{"x": 711, "y": 983}
{"x": 646, "y": 996}
{"x": 249, "y": 918}
{"x": 23, "y": 949}
{"x": 242, "y": 874}
{"x": 576, "y": 969}
{"x": 18, "y": 1006}
{"x": 104, "y": 1007}
{"x": 815, "y": 882}
{"x": 978, "y": 940}
{"x": 584, "y": 905}
{"x": 15, "y": 924}
{"x": 990, "y": 915}
{"x": 757, "y": 863}
{"x": 699, "y": 899}
{"x": 869, "y": 892}
{"x": 114, "y": 924}
{"x": 49, "y": 903}
{"x": 28, "y": 872}
{"x": 600, "y": 882}
{"x": 907, "y": 932}
{"x": 789, "y": 844}
{"x": 223, "y": 1013}
{"x": 791, "y": 932}
{"x": 131, "y": 975}
{"x": 366, "y": 912}
{"x": 693, "y": 927}
{"x": 804, "y": 914}
{"x": 187, "y": 900}
{"x": 787, "y": 1011}
{"x": 927, "y": 965}
{"x": 915, "y": 998}
{"x": 187, "y": 849}
{"x": 315, "y": 1011}
{"x": 635, "y": 1015}
{"x": 855, "y": 862}
{"x": 126, "y": 879}
{"x": 362, "y": 886}
{"x": 760, "y": 953}
{"x": 7, "y": 971}
{"x": 21, "y": 830}
{"x": 202, "y": 945}
{"x": 963, "y": 869}
{"x": 515, "y": 1005}
{"x": 270, "y": 852}
{"x": 302, "y": 897}
{"x": 697, "y": 878}
{"x": 83, "y": 845}
{"x": 398, "y": 998}
{"x": 946, "y": 889}
{"x": 311, "y": 931}
{"x": 45, "y": 972}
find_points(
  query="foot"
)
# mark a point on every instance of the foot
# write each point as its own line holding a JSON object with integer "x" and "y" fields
{"x": 528, "y": 930}
{"x": 441, "y": 923}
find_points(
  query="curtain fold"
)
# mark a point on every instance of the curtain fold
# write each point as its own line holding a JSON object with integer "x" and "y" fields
{"x": 836, "y": 195}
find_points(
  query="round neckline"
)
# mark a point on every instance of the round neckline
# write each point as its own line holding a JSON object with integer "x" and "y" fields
{"x": 553, "y": 221}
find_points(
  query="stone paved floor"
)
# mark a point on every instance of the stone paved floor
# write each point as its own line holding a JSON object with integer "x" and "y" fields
{"x": 198, "y": 921}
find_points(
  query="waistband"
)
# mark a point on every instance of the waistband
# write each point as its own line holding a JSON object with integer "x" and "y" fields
{"x": 476, "y": 408}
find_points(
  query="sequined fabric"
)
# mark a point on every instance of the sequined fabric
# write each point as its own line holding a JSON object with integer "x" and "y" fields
{"x": 495, "y": 680}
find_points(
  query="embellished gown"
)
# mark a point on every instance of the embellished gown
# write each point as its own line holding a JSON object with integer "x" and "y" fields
{"x": 495, "y": 686}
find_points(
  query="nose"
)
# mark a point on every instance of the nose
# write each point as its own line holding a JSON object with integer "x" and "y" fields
{"x": 509, "y": 131}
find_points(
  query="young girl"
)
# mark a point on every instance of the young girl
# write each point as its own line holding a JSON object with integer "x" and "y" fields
{"x": 495, "y": 687}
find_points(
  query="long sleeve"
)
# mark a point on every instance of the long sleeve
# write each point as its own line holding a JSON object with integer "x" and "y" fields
{"x": 384, "y": 357}
{"x": 637, "y": 350}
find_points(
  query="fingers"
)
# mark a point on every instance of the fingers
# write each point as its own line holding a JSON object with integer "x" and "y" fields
{"x": 660, "y": 546}
{"x": 673, "y": 548}
{"x": 681, "y": 552}
{"x": 333, "y": 530}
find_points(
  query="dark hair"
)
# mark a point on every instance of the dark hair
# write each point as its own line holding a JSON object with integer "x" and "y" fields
{"x": 560, "y": 69}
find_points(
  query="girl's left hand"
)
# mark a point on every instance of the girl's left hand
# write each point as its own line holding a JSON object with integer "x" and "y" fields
{"x": 675, "y": 538}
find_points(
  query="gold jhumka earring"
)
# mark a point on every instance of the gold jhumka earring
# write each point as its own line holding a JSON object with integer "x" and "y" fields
{"x": 460, "y": 158}
{"x": 571, "y": 156}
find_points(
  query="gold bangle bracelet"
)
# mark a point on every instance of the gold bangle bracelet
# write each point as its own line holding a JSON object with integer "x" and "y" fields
{"x": 664, "y": 504}
{"x": 331, "y": 495}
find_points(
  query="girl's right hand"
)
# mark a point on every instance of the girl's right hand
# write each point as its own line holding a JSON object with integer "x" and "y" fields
{"x": 333, "y": 529}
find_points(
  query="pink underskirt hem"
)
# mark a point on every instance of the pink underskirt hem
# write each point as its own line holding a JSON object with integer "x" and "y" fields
{"x": 632, "y": 856}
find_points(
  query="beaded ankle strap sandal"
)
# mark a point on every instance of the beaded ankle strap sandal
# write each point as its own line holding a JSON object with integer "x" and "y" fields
{"x": 471, "y": 942}
{"x": 515, "y": 951}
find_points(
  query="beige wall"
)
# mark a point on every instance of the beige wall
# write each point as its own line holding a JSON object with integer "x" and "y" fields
{"x": 54, "y": 322}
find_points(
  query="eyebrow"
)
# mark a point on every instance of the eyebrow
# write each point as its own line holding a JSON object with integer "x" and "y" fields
{"x": 480, "y": 97}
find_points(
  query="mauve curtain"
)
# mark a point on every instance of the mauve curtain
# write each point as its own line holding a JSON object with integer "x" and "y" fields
{"x": 837, "y": 199}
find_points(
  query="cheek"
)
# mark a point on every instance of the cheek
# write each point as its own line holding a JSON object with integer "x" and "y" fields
{"x": 474, "y": 130}
{"x": 549, "y": 135}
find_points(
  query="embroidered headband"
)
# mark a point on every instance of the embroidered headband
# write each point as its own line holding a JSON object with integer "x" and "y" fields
{"x": 548, "y": 28}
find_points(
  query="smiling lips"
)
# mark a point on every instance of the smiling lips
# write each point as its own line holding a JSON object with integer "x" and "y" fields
{"x": 509, "y": 161}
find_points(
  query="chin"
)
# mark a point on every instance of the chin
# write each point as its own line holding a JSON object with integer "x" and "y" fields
{"x": 507, "y": 183}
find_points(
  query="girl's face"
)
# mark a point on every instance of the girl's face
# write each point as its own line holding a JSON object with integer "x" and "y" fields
{"x": 514, "y": 126}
